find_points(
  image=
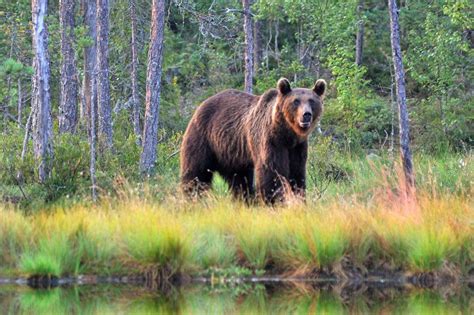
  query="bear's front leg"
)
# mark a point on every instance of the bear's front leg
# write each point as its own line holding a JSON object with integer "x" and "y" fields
{"x": 272, "y": 176}
{"x": 298, "y": 157}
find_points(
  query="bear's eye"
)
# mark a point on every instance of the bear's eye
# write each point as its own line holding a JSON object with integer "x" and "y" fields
{"x": 296, "y": 102}
{"x": 311, "y": 102}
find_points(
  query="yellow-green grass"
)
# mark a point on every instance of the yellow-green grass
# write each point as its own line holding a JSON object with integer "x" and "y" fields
{"x": 420, "y": 233}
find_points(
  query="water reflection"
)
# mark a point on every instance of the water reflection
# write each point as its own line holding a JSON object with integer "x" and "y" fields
{"x": 243, "y": 299}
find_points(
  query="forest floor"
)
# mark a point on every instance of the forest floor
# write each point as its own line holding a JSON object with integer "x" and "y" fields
{"x": 366, "y": 226}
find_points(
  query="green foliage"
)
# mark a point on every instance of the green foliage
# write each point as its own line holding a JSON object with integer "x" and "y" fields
{"x": 301, "y": 40}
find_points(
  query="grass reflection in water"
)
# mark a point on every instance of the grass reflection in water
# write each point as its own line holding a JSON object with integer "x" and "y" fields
{"x": 242, "y": 299}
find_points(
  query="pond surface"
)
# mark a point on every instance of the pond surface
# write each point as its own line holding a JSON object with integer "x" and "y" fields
{"x": 241, "y": 299}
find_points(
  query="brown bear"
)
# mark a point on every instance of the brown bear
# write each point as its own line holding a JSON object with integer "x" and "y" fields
{"x": 238, "y": 135}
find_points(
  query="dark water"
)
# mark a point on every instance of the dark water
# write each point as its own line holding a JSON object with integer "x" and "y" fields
{"x": 242, "y": 299}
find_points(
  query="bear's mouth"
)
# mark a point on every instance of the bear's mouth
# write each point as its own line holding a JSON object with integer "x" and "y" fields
{"x": 305, "y": 125}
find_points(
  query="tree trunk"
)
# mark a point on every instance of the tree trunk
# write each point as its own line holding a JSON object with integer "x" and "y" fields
{"x": 90, "y": 56}
{"x": 92, "y": 140}
{"x": 393, "y": 113}
{"x": 401, "y": 94}
{"x": 267, "y": 46}
{"x": 258, "y": 51}
{"x": 29, "y": 122}
{"x": 42, "y": 122}
{"x": 360, "y": 36}
{"x": 153, "y": 87}
{"x": 135, "y": 98}
{"x": 248, "y": 30}
{"x": 20, "y": 104}
{"x": 276, "y": 49}
{"x": 68, "y": 98}
{"x": 103, "y": 88}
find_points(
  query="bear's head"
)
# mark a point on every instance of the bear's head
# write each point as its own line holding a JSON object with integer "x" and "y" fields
{"x": 301, "y": 108}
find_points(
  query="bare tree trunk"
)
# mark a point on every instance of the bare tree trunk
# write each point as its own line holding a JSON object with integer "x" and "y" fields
{"x": 267, "y": 46}
{"x": 360, "y": 36}
{"x": 135, "y": 99}
{"x": 401, "y": 94}
{"x": 92, "y": 140}
{"x": 7, "y": 99}
{"x": 42, "y": 121}
{"x": 103, "y": 87}
{"x": 393, "y": 109}
{"x": 90, "y": 58}
{"x": 277, "y": 33}
{"x": 29, "y": 121}
{"x": 68, "y": 98}
{"x": 20, "y": 104}
{"x": 248, "y": 30}
{"x": 257, "y": 55}
{"x": 153, "y": 87}
{"x": 27, "y": 134}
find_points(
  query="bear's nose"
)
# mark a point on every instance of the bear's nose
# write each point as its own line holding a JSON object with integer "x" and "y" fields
{"x": 307, "y": 117}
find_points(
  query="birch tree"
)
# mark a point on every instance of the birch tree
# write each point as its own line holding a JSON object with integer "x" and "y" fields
{"x": 68, "y": 97}
{"x": 248, "y": 30}
{"x": 41, "y": 99}
{"x": 401, "y": 94}
{"x": 153, "y": 87}
{"x": 102, "y": 66}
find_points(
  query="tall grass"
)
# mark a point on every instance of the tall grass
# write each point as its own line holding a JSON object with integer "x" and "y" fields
{"x": 421, "y": 231}
{"x": 122, "y": 236}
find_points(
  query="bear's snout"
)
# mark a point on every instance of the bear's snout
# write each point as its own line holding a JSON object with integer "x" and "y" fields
{"x": 307, "y": 117}
{"x": 306, "y": 120}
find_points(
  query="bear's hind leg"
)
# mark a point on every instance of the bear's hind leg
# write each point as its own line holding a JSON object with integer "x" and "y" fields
{"x": 196, "y": 184}
{"x": 197, "y": 167}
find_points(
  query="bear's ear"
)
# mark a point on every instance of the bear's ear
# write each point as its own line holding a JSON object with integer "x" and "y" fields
{"x": 320, "y": 87}
{"x": 284, "y": 86}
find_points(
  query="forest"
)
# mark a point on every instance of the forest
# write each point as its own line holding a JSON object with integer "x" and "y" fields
{"x": 95, "y": 96}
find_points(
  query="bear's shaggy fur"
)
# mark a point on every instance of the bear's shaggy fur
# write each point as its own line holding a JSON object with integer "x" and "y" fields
{"x": 240, "y": 135}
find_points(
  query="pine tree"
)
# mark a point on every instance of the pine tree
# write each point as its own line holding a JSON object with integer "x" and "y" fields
{"x": 103, "y": 84}
{"x": 153, "y": 87}
{"x": 41, "y": 99}
{"x": 68, "y": 97}
{"x": 135, "y": 98}
{"x": 89, "y": 8}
